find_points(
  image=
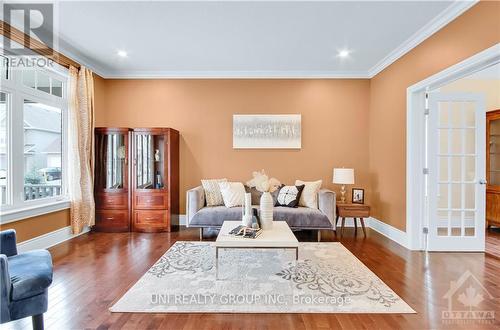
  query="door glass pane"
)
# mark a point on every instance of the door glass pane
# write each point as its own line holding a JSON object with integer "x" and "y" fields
{"x": 443, "y": 168}
{"x": 456, "y": 114}
{"x": 456, "y": 169}
{"x": 470, "y": 168}
{"x": 42, "y": 150}
{"x": 469, "y": 223}
{"x": 456, "y": 223}
{"x": 470, "y": 141}
{"x": 111, "y": 154}
{"x": 3, "y": 148}
{"x": 469, "y": 114}
{"x": 443, "y": 196}
{"x": 470, "y": 195}
{"x": 456, "y": 197}
{"x": 443, "y": 114}
{"x": 456, "y": 141}
{"x": 442, "y": 227}
{"x": 443, "y": 141}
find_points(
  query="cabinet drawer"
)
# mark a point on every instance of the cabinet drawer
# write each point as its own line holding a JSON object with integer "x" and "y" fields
{"x": 156, "y": 219}
{"x": 111, "y": 200}
{"x": 354, "y": 211}
{"x": 150, "y": 200}
{"x": 112, "y": 220}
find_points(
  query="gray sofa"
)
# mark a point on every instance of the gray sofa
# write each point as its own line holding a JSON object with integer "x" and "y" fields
{"x": 200, "y": 216}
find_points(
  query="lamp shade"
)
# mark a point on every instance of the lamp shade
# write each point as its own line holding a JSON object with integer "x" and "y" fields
{"x": 343, "y": 175}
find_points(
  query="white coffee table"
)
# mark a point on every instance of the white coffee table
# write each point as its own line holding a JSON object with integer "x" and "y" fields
{"x": 279, "y": 237}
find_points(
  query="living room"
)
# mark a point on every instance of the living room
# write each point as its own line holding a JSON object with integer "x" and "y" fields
{"x": 130, "y": 152}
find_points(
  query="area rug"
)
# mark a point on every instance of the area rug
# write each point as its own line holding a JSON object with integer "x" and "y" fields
{"x": 327, "y": 278}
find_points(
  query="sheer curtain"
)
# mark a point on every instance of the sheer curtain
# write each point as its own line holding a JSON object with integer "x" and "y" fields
{"x": 81, "y": 148}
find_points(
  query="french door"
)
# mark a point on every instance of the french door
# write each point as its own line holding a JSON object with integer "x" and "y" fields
{"x": 457, "y": 166}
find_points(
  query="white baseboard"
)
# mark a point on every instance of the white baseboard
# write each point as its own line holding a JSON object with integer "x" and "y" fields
{"x": 389, "y": 231}
{"x": 50, "y": 239}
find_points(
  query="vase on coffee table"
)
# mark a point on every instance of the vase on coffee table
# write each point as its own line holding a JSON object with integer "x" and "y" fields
{"x": 266, "y": 210}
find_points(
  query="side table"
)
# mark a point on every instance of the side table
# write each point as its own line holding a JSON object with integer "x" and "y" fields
{"x": 350, "y": 210}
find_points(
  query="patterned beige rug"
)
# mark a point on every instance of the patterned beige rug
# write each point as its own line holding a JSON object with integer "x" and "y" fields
{"x": 327, "y": 278}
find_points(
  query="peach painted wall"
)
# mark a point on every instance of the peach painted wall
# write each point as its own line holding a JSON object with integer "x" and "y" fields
{"x": 37, "y": 226}
{"x": 334, "y": 124}
{"x": 472, "y": 32}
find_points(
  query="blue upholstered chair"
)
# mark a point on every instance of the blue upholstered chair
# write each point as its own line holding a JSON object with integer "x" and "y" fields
{"x": 24, "y": 281}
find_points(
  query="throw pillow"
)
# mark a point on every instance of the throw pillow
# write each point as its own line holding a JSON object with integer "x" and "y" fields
{"x": 213, "y": 195}
{"x": 309, "y": 196}
{"x": 289, "y": 196}
{"x": 257, "y": 194}
{"x": 233, "y": 193}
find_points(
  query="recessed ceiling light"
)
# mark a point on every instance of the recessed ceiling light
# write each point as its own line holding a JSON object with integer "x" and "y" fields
{"x": 122, "y": 53}
{"x": 344, "y": 53}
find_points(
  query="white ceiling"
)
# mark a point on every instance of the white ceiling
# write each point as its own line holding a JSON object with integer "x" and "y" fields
{"x": 246, "y": 39}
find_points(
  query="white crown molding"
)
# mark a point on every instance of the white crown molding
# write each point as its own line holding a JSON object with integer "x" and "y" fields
{"x": 456, "y": 9}
{"x": 234, "y": 75}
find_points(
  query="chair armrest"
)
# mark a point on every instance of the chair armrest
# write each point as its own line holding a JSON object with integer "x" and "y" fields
{"x": 8, "y": 242}
{"x": 195, "y": 200}
{"x": 5, "y": 286}
{"x": 327, "y": 205}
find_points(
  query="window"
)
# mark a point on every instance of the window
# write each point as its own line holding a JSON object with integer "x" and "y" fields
{"x": 33, "y": 148}
{"x": 42, "y": 150}
{"x": 3, "y": 149}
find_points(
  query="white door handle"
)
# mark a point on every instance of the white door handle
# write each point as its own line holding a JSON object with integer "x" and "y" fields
{"x": 483, "y": 181}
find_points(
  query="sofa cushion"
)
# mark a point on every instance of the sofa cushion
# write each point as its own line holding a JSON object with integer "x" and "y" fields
{"x": 233, "y": 193}
{"x": 289, "y": 196}
{"x": 256, "y": 195}
{"x": 213, "y": 196}
{"x": 301, "y": 217}
{"x": 30, "y": 273}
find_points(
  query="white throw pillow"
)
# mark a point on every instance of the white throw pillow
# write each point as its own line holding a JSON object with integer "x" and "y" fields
{"x": 233, "y": 193}
{"x": 213, "y": 195}
{"x": 309, "y": 197}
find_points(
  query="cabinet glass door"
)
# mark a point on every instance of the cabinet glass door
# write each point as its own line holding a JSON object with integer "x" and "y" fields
{"x": 149, "y": 161}
{"x": 494, "y": 150}
{"x": 111, "y": 158}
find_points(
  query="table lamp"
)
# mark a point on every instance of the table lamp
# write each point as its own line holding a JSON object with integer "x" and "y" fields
{"x": 343, "y": 176}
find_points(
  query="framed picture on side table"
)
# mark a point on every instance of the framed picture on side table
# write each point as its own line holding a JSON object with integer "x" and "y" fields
{"x": 358, "y": 195}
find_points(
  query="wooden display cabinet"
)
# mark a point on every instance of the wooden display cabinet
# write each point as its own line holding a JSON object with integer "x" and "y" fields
{"x": 493, "y": 168}
{"x": 155, "y": 178}
{"x": 111, "y": 184}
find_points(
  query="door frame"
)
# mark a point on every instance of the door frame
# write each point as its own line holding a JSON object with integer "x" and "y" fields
{"x": 415, "y": 138}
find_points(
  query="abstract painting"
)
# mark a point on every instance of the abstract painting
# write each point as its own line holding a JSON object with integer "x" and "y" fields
{"x": 267, "y": 131}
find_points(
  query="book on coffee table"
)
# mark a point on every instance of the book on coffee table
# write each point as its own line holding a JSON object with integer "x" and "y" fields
{"x": 245, "y": 232}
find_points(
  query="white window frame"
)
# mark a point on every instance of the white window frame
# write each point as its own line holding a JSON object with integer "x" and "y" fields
{"x": 17, "y": 208}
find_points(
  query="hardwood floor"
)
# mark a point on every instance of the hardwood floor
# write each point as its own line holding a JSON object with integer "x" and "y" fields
{"x": 493, "y": 241}
{"x": 94, "y": 270}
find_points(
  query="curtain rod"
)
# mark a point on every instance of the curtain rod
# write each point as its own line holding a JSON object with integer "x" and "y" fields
{"x": 38, "y": 47}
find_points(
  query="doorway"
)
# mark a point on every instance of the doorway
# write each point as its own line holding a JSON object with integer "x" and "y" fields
{"x": 446, "y": 156}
